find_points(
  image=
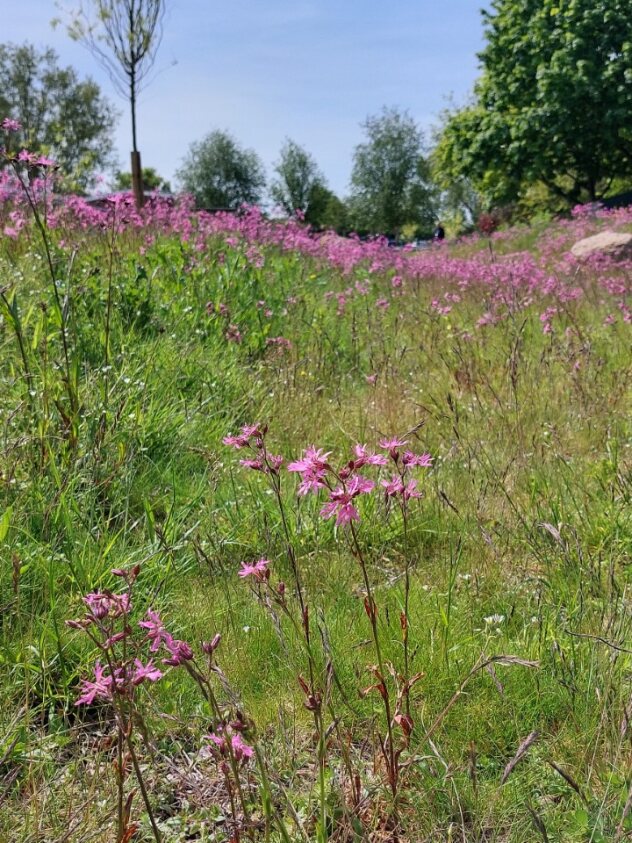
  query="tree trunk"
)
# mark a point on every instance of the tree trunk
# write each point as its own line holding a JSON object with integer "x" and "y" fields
{"x": 592, "y": 188}
{"x": 137, "y": 173}
{"x": 137, "y": 179}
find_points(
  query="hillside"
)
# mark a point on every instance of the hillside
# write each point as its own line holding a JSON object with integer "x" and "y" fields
{"x": 424, "y": 606}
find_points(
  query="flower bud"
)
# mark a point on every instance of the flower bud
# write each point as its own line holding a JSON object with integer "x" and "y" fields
{"x": 209, "y": 647}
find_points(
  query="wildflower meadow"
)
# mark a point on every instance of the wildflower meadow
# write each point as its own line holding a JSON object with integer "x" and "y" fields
{"x": 308, "y": 538}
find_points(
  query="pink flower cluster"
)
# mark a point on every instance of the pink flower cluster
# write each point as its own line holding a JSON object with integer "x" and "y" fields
{"x": 253, "y": 437}
{"x": 104, "y": 685}
{"x": 10, "y": 125}
{"x": 508, "y": 285}
{"x": 344, "y": 485}
{"x": 219, "y": 746}
{"x": 179, "y": 651}
{"x": 104, "y": 610}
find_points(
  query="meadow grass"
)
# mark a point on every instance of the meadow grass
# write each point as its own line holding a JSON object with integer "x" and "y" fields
{"x": 519, "y": 547}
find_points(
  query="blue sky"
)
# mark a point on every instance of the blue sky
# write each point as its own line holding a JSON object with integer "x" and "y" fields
{"x": 311, "y": 70}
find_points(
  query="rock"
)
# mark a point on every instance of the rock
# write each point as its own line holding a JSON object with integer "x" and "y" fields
{"x": 614, "y": 244}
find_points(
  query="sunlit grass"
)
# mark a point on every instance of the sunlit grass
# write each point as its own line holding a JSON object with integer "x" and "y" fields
{"x": 520, "y": 546}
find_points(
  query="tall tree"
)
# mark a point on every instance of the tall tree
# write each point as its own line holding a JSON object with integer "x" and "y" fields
{"x": 65, "y": 118}
{"x": 124, "y": 35}
{"x": 297, "y": 176}
{"x": 389, "y": 181}
{"x": 553, "y": 103}
{"x": 220, "y": 174}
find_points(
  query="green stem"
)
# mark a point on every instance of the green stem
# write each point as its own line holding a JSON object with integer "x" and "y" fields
{"x": 267, "y": 796}
{"x": 378, "y": 652}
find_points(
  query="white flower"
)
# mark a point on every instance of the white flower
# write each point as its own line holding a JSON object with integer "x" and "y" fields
{"x": 494, "y": 619}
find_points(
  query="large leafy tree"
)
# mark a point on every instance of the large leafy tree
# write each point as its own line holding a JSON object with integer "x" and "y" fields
{"x": 297, "y": 176}
{"x": 220, "y": 174}
{"x": 60, "y": 115}
{"x": 553, "y": 103}
{"x": 389, "y": 181}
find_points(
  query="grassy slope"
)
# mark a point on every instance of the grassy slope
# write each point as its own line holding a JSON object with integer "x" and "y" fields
{"x": 522, "y": 438}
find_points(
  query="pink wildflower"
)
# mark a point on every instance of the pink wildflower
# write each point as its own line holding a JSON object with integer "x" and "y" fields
{"x": 363, "y": 457}
{"x": 258, "y": 570}
{"x": 420, "y": 460}
{"x": 156, "y": 632}
{"x": 104, "y": 605}
{"x": 343, "y": 509}
{"x": 10, "y": 125}
{"x": 27, "y": 157}
{"x": 98, "y": 604}
{"x": 100, "y": 688}
{"x": 145, "y": 671}
{"x": 275, "y": 461}
{"x": 394, "y": 486}
{"x": 411, "y": 491}
{"x": 340, "y": 500}
{"x": 180, "y": 651}
{"x": 312, "y": 467}
{"x": 392, "y": 446}
{"x": 233, "y": 334}
{"x": 242, "y": 440}
{"x": 279, "y": 342}
{"x": 241, "y": 750}
{"x": 255, "y": 465}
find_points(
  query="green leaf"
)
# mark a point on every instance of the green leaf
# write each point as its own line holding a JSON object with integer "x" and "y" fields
{"x": 5, "y": 522}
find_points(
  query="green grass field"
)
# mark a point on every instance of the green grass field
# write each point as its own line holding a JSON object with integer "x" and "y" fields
{"x": 520, "y": 547}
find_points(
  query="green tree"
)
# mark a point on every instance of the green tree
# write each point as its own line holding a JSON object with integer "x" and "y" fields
{"x": 297, "y": 176}
{"x": 326, "y": 211}
{"x": 219, "y": 173}
{"x": 552, "y": 105}
{"x": 459, "y": 202}
{"x": 124, "y": 36}
{"x": 152, "y": 180}
{"x": 61, "y": 116}
{"x": 390, "y": 185}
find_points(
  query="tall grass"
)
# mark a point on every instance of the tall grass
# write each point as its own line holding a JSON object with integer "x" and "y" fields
{"x": 120, "y": 381}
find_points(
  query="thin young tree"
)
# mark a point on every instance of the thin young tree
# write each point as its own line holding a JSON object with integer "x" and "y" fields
{"x": 124, "y": 36}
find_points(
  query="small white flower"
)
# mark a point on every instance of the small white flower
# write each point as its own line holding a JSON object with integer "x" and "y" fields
{"x": 494, "y": 619}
